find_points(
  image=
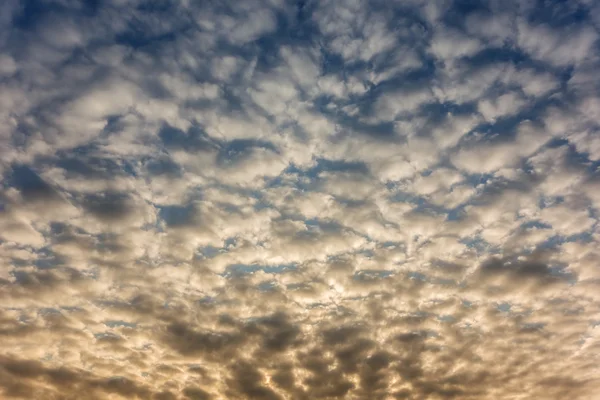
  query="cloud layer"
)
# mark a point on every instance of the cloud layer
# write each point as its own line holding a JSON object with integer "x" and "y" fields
{"x": 299, "y": 200}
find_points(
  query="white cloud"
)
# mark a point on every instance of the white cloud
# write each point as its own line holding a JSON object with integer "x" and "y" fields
{"x": 570, "y": 46}
{"x": 500, "y": 106}
{"x": 449, "y": 45}
{"x": 489, "y": 157}
{"x": 566, "y": 221}
{"x": 293, "y": 201}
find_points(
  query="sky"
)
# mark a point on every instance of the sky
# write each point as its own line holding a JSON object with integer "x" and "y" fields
{"x": 298, "y": 200}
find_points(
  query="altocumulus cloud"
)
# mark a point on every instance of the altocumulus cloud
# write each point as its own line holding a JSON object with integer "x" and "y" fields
{"x": 299, "y": 199}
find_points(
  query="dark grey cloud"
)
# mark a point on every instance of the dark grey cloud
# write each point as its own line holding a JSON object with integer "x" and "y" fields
{"x": 30, "y": 185}
{"x": 299, "y": 200}
{"x": 108, "y": 206}
{"x": 24, "y": 378}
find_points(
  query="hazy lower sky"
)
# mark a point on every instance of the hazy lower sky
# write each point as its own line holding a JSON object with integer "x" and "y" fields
{"x": 298, "y": 200}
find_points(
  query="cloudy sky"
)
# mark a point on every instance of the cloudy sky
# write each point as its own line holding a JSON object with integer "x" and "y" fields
{"x": 299, "y": 199}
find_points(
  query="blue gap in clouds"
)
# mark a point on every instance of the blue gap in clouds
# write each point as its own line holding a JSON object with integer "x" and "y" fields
{"x": 33, "y": 11}
{"x": 479, "y": 179}
{"x": 298, "y": 286}
{"x": 267, "y": 286}
{"x": 561, "y": 271}
{"x": 545, "y": 202}
{"x": 478, "y": 244}
{"x": 406, "y": 197}
{"x": 371, "y": 274}
{"x": 410, "y": 80}
{"x": 119, "y": 323}
{"x": 235, "y": 270}
{"x": 558, "y": 13}
{"x": 456, "y": 14}
{"x": 157, "y": 6}
{"x": 83, "y": 163}
{"x": 407, "y": 81}
{"x": 27, "y": 181}
{"x": 418, "y": 276}
{"x": 332, "y": 63}
{"x": 326, "y": 165}
{"x": 535, "y": 224}
{"x": 212, "y": 251}
{"x": 299, "y": 31}
{"x": 137, "y": 37}
{"x": 138, "y": 34}
{"x": 237, "y": 149}
{"x": 422, "y": 205}
{"x": 391, "y": 245}
{"x": 207, "y": 301}
{"x": 108, "y": 336}
{"x": 574, "y": 158}
{"x": 209, "y": 251}
{"x": 532, "y": 326}
{"x": 498, "y": 55}
{"x": 437, "y": 113}
{"x": 446, "y": 318}
{"x": 114, "y": 124}
{"x": 176, "y": 215}
{"x": 557, "y": 240}
{"x": 507, "y": 126}
{"x": 456, "y": 214}
{"x": 312, "y": 173}
{"x": 48, "y": 259}
{"x": 163, "y": 166}
{"x": 425, "y": 207}
{"x": 71, "y": 309}
{"x": 382, "y": 130}
{"x": 49, "y": 311}
{"x": 195, "y": 139}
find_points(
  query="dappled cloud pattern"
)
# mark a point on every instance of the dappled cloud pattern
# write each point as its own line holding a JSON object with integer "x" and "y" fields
{"x": 299, "y": 199}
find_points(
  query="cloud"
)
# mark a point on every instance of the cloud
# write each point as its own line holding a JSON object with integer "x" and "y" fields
{"x": 299, "y": 200}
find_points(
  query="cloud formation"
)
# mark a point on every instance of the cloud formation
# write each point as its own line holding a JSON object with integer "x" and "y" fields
{"x": 286, "y": 200}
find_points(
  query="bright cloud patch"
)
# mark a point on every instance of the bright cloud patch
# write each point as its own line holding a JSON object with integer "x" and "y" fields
{"x": 299, "y": 200}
